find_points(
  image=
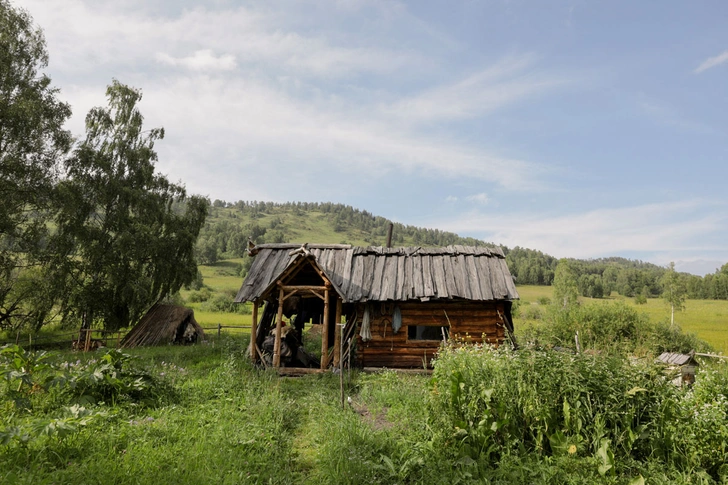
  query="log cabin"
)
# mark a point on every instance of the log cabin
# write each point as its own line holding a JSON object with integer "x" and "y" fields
{"x": 399, "y": 304}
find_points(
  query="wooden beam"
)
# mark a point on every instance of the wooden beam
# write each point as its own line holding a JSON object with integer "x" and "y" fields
{"x": 253, "y": 331}
{"x": 316, "y": 293}
{"x": 337, "y": 334}
{"x": 325, "y": 333}
{"x": 279, "y": 325}
{"x": 303, "y": 287}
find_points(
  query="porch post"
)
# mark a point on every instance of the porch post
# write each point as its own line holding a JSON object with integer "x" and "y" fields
{"x": 253, "y": 333}
{"x": 325, "y": 333}
{"x": 279, "y": 324}
{"x": 337, "y": 338}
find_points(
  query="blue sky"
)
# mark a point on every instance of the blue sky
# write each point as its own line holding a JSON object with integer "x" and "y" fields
{"x": 582, "y": 129}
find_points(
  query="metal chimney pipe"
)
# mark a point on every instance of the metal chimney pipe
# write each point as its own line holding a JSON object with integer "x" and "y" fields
{"x": 389, "y": 235}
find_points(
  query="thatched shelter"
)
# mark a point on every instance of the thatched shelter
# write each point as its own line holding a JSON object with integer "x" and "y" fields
{"x": 164, "y": 324}
{"x": 399, "y": 303}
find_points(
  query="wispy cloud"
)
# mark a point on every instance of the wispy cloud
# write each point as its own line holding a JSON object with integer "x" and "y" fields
{"x": 509, "y": 80}
{"x": 674, "y": 228}
{"x": 201, "y": 60}
{"x": 712, "y": 62}
{"x": 481, "y": 198}
{"x": 255, "y": 87}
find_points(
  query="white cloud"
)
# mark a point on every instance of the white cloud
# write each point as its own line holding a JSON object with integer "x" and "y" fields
{"x": 481, "y": 198}
{"x": 507, "y": 81}
{"x": 201, "y": 60}
{"x": 253, "y": 88}
{"x": 712, "y": 62}
{"x": 667, "y": 231}
{"x": 451, "y": 199}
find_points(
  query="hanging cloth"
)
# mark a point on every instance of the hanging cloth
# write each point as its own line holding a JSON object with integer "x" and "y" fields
{"x": 366, "y": 332}
{"x": 396, "y": 319}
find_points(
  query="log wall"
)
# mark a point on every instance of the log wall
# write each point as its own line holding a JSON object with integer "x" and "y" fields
{"x": 468, "y": 320}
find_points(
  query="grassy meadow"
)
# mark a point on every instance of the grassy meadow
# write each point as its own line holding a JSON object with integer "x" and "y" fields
{"x": 708, "y": 319}
{"x": 203, "y": 415}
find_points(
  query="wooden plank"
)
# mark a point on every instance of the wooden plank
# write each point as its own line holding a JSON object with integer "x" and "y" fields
{"x": 325, "y": 333}
{"x": 337, "y": 334}
{"x": 355, "y": 292}
{"x": 409, "y": 289}
{"x": 460, "y": 277}
{"x": 366, "y": 276}
{"x": 346, "y": 273}
{"x": 297, "y": 371}
{"x": 337, "y": 267}
{"x": 298, "y": 245}
{"x": 438, "y": 272}
{"x": 253, "y": 330}
{"x": 473, "y": 281}
{"x": 486, "y": 285}
{"x": 450, "y": 276}
{"x": 428, "y": 285}
{"x": 401, "y": 293}
{"x": 279, "y": 325}
{"x": 389, "y": 278}
{"x": 376, "y": 280}
{"x": 329, "y": 264}
{"x": 418, "y": 284}
{"x": 278, "y": 264}
{"x": 510, "y": 285}
{"x": 496, "y": 277}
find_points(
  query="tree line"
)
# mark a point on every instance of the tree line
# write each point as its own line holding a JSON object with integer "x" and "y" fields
{"x": 90, "y": 233}
{"x": 231, "y": 224}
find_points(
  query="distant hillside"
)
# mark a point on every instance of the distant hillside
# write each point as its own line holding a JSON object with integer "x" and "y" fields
{"x": 230, "y": 224}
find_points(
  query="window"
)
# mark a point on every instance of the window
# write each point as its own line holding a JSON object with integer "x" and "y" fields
{"x": 428, "y": 332}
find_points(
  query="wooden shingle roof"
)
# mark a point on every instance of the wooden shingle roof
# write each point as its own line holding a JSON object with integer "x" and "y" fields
{"x": 398, "y": 274}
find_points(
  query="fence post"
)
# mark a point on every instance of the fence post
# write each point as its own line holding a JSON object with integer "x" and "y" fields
{"x": 219, "y": 330}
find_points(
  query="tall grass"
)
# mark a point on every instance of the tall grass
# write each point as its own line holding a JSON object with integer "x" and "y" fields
{"x": 708, "y": 319}
{"x": 483, "y": 417}
{"x": 618, "y": 417}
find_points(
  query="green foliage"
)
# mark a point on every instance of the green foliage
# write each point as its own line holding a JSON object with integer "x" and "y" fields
{"x": 611, "y": 328}
{"x": 111, "y": 377}
{"x": 615, "y": 415}
{"x": 19, "y": 369}
{"x": 126, "y": 235}
{"x": 673, "y": 291}
{"x": 558, "y": 418}
{"x": 32, "y": 142}
{"x": 230, "y": 225}
{"x": 221, "y": 302}
{"x": 641, "y": 299}
{"x": 566, "y": 292}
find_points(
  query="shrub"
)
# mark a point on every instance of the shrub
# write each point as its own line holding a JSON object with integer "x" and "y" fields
{"x": 488, "y": 405}
{"x": 111, "y": 378}
{"x": 612, "y": 328}
{"x": 203, "y": 294}
{"x": 224, "y": 304}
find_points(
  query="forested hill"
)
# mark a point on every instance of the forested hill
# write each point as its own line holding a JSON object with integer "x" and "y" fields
{"x": 229, "y": 225}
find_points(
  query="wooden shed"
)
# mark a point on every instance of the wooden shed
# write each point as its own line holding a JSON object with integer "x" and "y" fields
{"x": 164, "y": 324}
{"x": 684, "y": 365}
{"x": 399, "y": 303}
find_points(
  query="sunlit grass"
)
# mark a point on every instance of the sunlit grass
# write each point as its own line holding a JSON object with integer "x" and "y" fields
{"x": 708, "y": 319}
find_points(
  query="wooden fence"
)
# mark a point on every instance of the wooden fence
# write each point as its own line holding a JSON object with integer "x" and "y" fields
{"x": 220, "y": 327}
{"x": 90, "y": 339}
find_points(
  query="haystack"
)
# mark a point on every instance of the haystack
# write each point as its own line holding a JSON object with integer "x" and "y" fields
{"x": 165, "y": 324}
